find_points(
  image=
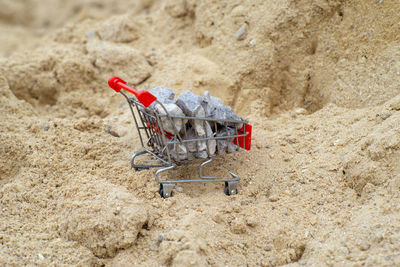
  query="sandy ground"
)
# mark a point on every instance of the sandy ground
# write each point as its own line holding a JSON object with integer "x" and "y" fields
{"x": 318, "y": 80}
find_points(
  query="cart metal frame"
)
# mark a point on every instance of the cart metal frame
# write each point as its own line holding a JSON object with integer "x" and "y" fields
{"x": 157, "y": 142}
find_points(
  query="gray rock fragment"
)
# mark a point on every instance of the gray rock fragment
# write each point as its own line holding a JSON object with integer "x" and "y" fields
{"x": 215, "y": 109}
{"x": 211, "y": 143}
{"x": 172, "y": 109}
{"x": 178, "y": 151}
{"x": 231, "y": 146}
{"x": 195, "y": 145}
{"x": 201, "y": 155}
{"x": 91, "y": 35}
{"x": 226, "y": 145}
{"x": 190, "y": 103}
{"x": 210, "y": 104}
{"x": 200, "y": 125}
{"x": 241, "y": 33}
{"x": 199, "y": 148}
{"x": 163, "y": 94}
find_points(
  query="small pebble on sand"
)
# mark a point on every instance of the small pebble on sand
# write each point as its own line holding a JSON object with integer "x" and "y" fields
{"x": 241, "y": 33}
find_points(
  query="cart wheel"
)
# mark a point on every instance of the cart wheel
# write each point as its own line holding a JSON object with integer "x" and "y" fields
{"x": 229, "y": 192}
{"x": 140, "y": 169}
{"x": 166, "y": 191}
{"x": 226, "y": 190}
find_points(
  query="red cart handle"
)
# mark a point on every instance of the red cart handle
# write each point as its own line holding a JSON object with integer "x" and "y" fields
{"x": 144, "y": 97}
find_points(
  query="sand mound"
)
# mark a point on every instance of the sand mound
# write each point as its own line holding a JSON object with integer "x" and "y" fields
{"x": 108, "y": 223}
{"x": 318, "y": 81}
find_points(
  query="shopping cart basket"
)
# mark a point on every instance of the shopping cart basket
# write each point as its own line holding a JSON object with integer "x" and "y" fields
{"x": 160, "y": 144}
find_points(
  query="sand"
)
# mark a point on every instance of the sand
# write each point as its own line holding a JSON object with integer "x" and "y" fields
{"x": 318, "y": 80}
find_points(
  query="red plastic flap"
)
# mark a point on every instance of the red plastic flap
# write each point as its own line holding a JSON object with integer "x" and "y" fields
{"x": 247, "y": 139}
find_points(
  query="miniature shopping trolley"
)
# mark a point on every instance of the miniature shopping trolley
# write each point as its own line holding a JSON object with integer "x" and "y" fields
{"x": 160, "y": 143}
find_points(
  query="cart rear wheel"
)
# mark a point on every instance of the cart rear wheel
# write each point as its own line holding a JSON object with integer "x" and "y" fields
{"x": 140, "y": 169}
{"x": 166, "y": 192}
{"x": 229, "y": 192}
{"x": 226, "y": 190}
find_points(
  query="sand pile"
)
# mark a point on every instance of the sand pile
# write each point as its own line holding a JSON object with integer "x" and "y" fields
{"x": 319, "y": 81}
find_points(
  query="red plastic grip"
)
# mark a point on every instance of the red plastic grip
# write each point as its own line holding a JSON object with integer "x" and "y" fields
{"x": 113, "y": 83}
{"x": 144, "y": 97}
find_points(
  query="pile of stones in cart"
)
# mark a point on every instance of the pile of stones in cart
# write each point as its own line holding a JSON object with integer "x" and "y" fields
{"x": 212, "y": 132}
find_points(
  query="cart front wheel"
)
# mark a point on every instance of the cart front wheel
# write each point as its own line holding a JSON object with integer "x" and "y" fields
{"x": 138, "y": 169}
{"x": 230, "y": 188}
{"x": 166, "y": 190}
